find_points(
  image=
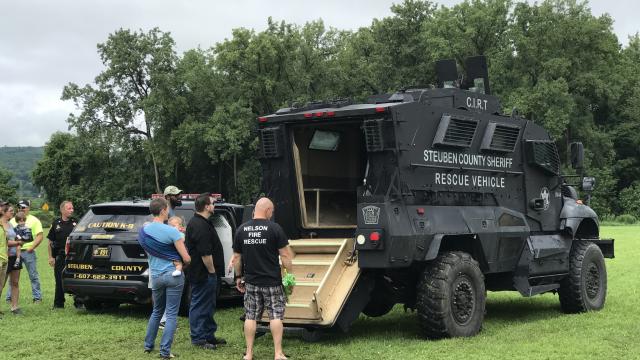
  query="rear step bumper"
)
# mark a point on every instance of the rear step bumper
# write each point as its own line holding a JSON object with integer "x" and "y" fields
{"x": 129, "y": 291}
{"x": 325, "y": 275}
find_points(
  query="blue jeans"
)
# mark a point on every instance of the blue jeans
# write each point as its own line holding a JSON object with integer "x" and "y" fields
{"x": 166, "y": 292}
{"x": 201, "y": 310}
{"x": 29, "y": 261}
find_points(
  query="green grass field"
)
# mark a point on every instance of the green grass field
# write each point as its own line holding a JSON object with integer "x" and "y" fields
{"x": 514, "y": 327}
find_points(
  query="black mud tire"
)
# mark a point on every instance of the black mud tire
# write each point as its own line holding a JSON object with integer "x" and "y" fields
{"x": 378, "y": 306}
{"x": 585, "y": 288}
{"x": 451, "y": 297}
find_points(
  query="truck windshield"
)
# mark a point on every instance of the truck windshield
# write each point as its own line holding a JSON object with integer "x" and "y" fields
{"x": 113, "y": 218}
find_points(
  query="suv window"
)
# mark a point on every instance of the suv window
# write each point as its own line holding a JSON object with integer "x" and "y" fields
{"x": 102, "y": 219}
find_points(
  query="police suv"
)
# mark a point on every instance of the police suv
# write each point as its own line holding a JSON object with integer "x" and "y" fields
{"x": 106, "y": 266}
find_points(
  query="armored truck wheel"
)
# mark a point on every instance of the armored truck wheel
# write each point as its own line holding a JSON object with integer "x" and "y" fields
{"x": 585, "y": 288}
{"x": 451, "y": 297}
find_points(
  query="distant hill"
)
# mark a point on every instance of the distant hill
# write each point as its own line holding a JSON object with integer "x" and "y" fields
{"x": 21, "y": 161}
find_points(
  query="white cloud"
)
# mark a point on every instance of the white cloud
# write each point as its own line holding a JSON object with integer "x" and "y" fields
{"x": 46, "y": 44}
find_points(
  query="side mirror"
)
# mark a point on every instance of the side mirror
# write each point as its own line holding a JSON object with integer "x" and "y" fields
{"x": 588, "y": 183}
{"x": 577, "y": 155}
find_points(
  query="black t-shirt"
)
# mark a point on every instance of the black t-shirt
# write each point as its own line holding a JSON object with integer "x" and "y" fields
{"x": 59, "y": 232}
{"x": 258, "y": 241}
{"x": 201, "y": 240}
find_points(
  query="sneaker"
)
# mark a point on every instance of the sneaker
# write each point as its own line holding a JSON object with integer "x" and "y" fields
{"x": 16, "y": 311}
{"x": 37, "y": 301}
{"x": 162, "y": 323}
{"x": 217, "y": 341}
{"x": 148, "y": 351}
{"x": 170, "y": 356}
{"x": 206, "y": 346}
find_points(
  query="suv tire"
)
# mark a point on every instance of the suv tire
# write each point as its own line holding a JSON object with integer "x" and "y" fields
{"x": 451, "y": 297}
{"x": 585, "y": 288}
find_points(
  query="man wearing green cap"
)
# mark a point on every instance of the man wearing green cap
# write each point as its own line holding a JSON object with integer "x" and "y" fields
{"x": 172, "y": 195}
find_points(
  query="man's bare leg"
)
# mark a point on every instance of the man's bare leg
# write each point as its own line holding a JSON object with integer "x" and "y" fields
{"x": 276, "y": 332}
{"x": 249, "y": 335}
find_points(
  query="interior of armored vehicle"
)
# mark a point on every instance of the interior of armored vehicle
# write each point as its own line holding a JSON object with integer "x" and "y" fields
{"x": 330, "y": 162}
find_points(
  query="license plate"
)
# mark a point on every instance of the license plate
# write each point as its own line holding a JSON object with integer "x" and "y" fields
{"x": 102, "y": 252}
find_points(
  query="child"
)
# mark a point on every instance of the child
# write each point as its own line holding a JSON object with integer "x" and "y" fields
{"x": 23, "y": 233}
{"x": 176, "y": 222}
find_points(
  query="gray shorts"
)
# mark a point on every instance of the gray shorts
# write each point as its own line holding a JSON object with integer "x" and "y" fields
{"x": 259, "y": 298}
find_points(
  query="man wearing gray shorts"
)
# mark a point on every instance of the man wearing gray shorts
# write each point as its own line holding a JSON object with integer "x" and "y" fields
{"x": 256, "y": 247}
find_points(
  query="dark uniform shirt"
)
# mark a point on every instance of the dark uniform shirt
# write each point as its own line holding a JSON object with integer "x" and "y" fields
{"x": 58, "y": 234}
{"x": 202, "y": 240}
{"x": 258, "y": 241}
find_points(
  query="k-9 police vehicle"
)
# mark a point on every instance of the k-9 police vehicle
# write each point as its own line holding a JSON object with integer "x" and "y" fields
{"x": 428, "y": 198}
{"x": 106, "y": 266}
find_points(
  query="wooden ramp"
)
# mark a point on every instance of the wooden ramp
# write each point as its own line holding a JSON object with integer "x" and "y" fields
{"x": 325, "y": 275}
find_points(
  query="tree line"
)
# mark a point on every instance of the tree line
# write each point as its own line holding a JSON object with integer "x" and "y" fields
{"x": 154, "y": 117}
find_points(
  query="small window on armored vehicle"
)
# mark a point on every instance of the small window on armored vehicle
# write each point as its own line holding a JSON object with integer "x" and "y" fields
{"x": 455, "y": 130}
{"x": 325, "y": 140}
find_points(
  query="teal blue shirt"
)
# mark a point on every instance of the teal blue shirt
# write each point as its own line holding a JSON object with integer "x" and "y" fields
{"x": 165, "y": 234}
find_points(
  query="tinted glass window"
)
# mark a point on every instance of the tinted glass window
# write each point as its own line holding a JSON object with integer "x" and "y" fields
{"x": 105, "y": 219}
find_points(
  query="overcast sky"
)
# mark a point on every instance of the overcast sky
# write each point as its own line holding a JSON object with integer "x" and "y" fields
{"x": 46, "y": 44}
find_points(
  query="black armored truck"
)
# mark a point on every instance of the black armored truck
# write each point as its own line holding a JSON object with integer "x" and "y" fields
{"x": 428, "y": 198}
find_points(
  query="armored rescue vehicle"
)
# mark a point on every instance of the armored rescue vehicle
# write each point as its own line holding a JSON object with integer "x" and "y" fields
{"x": 106, "y": 266}
{"x": 427, "y": 198}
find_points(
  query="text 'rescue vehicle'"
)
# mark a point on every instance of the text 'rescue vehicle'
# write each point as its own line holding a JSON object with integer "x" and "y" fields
{"x": 105, "y": 264}
{"x": 429, "y": 198}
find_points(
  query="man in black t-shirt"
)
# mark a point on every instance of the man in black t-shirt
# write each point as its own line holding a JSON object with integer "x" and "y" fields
{"x": 207, "y": 266}
{"x": 256, "y": 247}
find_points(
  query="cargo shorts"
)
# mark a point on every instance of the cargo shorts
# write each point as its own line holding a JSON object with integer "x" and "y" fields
{"x": 259, "y": 298}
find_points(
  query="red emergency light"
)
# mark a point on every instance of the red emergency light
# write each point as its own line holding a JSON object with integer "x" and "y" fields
{"x": 184, "y": 196}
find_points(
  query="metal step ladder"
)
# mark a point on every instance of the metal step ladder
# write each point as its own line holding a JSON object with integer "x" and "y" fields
{"x": 325, "y": 272}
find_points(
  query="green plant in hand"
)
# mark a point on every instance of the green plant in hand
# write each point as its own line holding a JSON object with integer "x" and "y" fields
{"x": 288, "y": 282}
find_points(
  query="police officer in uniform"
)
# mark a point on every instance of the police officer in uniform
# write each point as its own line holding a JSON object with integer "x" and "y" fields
{"x": 60, "y": 230}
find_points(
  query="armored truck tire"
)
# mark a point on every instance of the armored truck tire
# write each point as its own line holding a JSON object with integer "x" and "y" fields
{"x": 585, "y": 288}
{"x": 451, "y": 297}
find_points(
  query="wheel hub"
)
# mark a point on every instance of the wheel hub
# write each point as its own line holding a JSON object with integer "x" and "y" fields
{"x": 592, "y": 281}
{"x": 463, "y": 300}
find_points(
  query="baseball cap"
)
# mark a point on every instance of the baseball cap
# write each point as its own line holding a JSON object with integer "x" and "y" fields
{"x": 24, "y": 203}
{"x": 171, "y": 190}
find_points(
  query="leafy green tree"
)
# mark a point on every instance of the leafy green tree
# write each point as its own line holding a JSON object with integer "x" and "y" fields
{"x": 119, "y": 105}
{"x": 630, "y": 199}
{"x": 7, "y": 191}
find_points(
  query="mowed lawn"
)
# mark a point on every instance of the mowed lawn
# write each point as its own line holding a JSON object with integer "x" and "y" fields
{"x": 514, "y": 327}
